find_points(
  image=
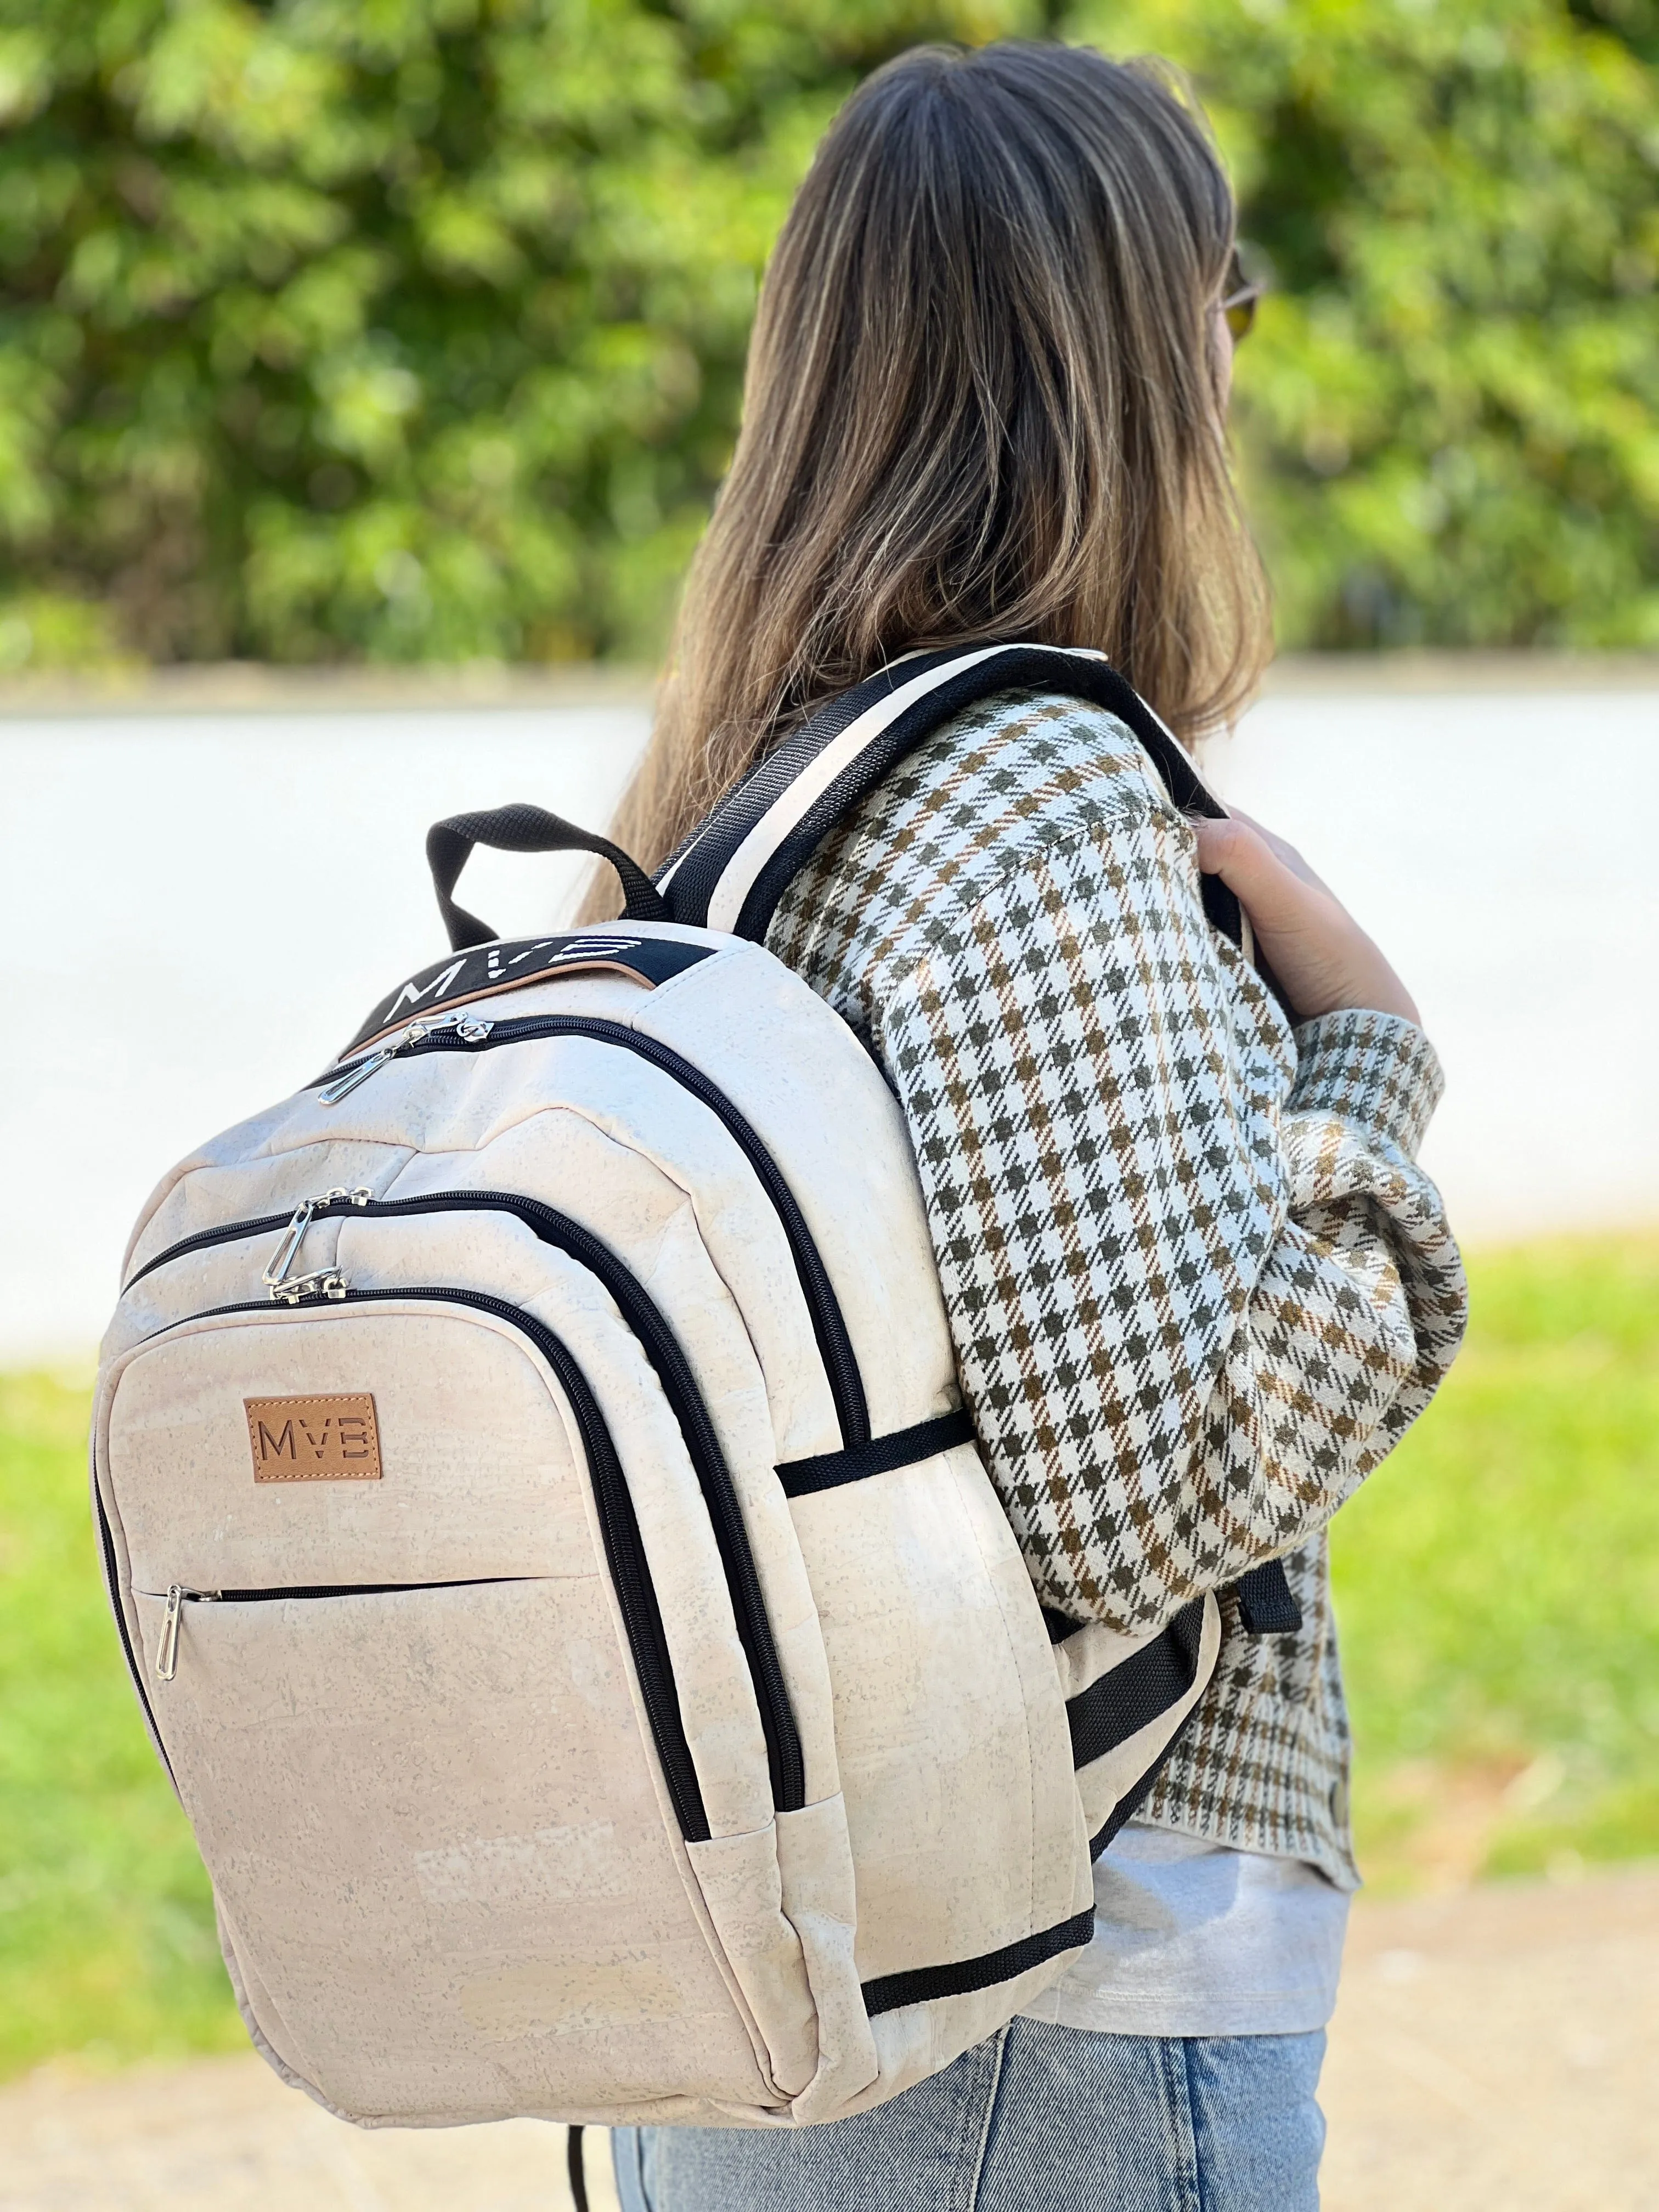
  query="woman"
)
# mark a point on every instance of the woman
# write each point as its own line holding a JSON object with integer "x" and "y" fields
{"x": 1197, "y": 1285}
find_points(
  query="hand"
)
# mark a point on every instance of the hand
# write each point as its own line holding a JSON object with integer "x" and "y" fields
{"x": 1319, "y": 952}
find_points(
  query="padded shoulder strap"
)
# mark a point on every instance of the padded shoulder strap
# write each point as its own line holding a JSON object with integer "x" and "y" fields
{"x": 743, "y": 858}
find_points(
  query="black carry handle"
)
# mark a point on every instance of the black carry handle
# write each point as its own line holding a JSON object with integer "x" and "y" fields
{"x": 523, "y": 829}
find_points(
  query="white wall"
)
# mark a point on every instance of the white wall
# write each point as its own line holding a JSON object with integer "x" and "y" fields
{"x": 1501, "y": 849}
{"x": 199, "y": 909}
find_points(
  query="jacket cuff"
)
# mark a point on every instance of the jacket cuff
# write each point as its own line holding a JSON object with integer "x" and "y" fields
{"x": 1377, "y": 1070}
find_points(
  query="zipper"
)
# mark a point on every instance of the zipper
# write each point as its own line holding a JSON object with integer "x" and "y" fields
{"x": 342, "y": 1086}
{"x": 166, "y": 1651}
{"x": 645, "y": 1318}
{"x": 279, "y": 1278}
{"x": 619, "y": 1528}
{"x": 178, "y": 1595}
{"x": 454, "y": 1033}
{"x": 112, "y": 1585}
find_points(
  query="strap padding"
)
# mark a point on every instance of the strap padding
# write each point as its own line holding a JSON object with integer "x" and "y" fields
{"x": 734, "y": 872}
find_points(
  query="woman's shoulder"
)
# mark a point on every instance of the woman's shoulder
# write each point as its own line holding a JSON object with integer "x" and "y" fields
{"x": 1010, "y": 777}
{"x": 1012, "y": 771}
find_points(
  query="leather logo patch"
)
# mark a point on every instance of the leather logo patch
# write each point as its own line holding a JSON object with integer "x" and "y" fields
{"x": 329, "y": 1439}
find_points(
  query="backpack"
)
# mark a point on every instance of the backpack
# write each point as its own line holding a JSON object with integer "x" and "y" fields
{"x": 549, "y": 1546}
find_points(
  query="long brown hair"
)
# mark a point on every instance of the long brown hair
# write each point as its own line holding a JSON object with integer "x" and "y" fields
{"x": 982, "y": 402}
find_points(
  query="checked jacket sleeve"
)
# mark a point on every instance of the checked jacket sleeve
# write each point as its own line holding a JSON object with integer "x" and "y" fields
{"x": 1197, "y": 1283}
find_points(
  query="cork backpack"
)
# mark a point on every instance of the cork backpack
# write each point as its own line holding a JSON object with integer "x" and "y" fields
{"x": 549, "y": 1547}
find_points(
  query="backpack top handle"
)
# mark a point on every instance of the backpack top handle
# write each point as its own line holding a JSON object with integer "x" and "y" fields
{"x": 524, "y": 829}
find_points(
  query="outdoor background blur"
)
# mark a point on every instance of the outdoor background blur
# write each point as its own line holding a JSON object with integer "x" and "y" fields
{"x": 387, "y": 332}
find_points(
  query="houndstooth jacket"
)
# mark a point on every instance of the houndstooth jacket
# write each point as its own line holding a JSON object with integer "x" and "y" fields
{"x": 1197, "y": 1285}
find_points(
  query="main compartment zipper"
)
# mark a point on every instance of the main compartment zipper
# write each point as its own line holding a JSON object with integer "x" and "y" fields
{"x": 452, "y": 1034}
{"x": 455, "y": 1033}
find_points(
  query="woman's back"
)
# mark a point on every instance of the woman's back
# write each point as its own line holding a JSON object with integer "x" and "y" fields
{"x": 1197, "y": 1286}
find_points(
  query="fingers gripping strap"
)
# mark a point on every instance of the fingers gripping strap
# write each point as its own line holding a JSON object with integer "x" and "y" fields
{"x": 736, "y": 870}
{"x": 524, "y": 829}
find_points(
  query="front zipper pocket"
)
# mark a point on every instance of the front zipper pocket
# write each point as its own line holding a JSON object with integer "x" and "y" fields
{"x": 518, "y": 1474}
{"x": 446, "y": 1878}
{"x": 177, "y": 1597}
{"x": 626, "y": 1559}
{"x": 649, "y": 1326}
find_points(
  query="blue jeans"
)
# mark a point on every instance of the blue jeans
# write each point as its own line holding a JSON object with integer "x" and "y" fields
{"x": 1039, "y": 2119}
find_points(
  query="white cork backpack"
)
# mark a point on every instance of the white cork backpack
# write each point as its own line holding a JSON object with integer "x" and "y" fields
{"x": 548, "y": 1545}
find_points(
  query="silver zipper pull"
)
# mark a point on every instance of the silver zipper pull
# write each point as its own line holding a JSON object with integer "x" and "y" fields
{"x": 288, "y": 1250}
{"x": 277, "y": 1278}
{"x": 469, "y": 1031}
{"x": 166, "y": 1651}
{"x": 344, "y": 1085}
{"x": 326, "y": 1283}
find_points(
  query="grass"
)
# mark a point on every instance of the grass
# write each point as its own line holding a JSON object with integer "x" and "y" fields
{"x": 106, "y": 1941}
{"x": 1497, "y": 1586}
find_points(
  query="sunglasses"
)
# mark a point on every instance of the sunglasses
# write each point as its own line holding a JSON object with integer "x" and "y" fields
{"x": 1238, "y": 302}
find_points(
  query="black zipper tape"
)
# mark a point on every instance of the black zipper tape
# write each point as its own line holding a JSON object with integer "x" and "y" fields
{"x": 135, "y": 1665}
{"x": 630, "y": 1573}
{"x": 829, "y": 1330}
{"x": 828, "y": 1324}
{"x": 335, "y": 1590}
{"x": 646, "y": 1319}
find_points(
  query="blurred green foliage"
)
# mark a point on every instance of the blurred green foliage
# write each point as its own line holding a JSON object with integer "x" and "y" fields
{"x": 406, "y": 329}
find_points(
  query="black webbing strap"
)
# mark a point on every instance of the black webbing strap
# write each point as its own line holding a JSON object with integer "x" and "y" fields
{"x": 1267, "y": 1606}
{"x": 1267, "y": 1603}
{"x": 1013, "y": 668}
{"x": 574, "y": 2168}
{"x": 524, "y": 829}
{"x": 903, "y": 1448}
{"x": 919, "y": 1984}
{"x": 1132, "y": 1800}
{"x": 1130, "y": 1697}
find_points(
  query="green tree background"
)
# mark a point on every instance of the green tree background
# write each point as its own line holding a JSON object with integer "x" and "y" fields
{"x": 414, "y": 328}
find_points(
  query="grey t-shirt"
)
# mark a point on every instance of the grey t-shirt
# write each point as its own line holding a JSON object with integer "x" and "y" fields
{"x": 1193, "y": 1939}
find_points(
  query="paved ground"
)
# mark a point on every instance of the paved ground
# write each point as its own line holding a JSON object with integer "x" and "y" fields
{"x": 1497, "y": 2050}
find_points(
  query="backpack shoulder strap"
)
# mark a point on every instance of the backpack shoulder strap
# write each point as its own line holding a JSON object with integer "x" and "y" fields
{"x": 744, "y": 857}
{"x": 731, "y": 873}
